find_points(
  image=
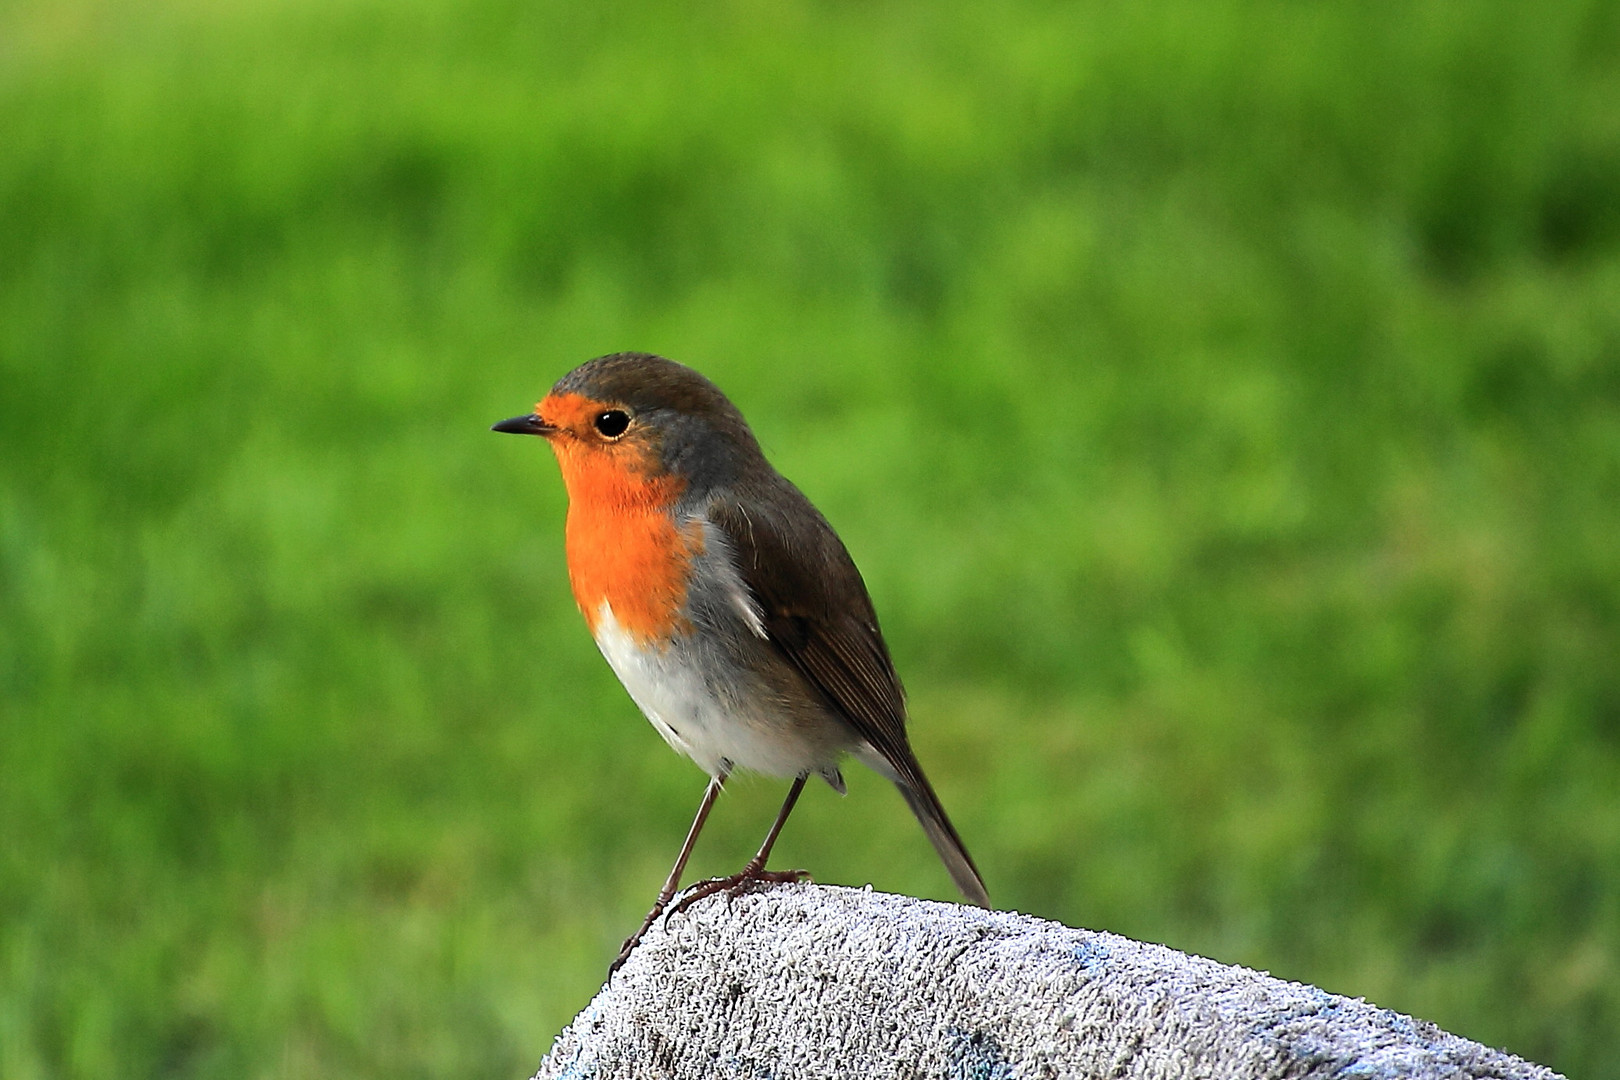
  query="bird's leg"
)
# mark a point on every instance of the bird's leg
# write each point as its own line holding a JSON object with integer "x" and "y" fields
{"x": 673, "y": 882}
{"x": 754, "y": 873}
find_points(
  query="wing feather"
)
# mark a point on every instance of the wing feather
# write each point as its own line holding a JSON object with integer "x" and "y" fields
{"x": 816, "y": 611}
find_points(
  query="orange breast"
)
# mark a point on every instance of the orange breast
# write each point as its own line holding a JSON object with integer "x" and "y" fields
{"x": 623, "y": 546}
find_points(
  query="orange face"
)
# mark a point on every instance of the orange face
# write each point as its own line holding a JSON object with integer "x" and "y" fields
{"x": 600, "y": 461}
{"x": 624, "y": 548}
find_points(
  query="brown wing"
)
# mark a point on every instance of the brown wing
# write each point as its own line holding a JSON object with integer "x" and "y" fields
{"x": 815, "y": 610}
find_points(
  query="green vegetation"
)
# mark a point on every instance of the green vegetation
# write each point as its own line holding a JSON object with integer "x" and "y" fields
{"x": 1223, "y": 402}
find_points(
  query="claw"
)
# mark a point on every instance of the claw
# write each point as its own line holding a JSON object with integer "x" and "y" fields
{"x": 635, "y": 939}
{"x": 751, "y": 877}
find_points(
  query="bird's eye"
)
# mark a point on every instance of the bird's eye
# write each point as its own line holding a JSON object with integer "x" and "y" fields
{"x": 612, "y": 423}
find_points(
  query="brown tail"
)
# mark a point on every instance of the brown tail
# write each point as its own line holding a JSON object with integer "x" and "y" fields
{"x": 919, "y": 794}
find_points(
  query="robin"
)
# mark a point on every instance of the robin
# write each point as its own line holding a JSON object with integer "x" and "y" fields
{"x": 724, "y": 602}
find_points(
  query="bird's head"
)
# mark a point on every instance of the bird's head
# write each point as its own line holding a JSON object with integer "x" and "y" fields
{"x": 635, "y": 415}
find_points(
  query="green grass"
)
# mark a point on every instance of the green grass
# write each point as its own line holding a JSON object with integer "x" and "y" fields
{"x": 1222, "y": 401}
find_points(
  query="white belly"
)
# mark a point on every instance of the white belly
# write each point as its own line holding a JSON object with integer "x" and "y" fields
{"x": 709, "y": 720}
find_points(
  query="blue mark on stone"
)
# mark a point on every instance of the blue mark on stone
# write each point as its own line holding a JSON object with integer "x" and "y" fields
{"x": 1326, "y": 1004}
{"x": 1090, "y": 954}
{"x": 976, "y": 1056}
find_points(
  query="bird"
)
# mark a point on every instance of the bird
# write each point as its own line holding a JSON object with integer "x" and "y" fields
{"x": 725, "y": 603}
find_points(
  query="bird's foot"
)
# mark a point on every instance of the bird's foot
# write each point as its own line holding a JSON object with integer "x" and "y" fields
{"x": 750, "y": 877}
{"x": 635, "y": 939}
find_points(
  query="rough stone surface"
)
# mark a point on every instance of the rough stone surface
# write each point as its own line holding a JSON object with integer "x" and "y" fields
{"x": 816, "y": 981}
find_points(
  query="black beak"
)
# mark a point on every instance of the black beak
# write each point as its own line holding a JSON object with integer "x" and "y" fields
{"x": 525, "y": 425}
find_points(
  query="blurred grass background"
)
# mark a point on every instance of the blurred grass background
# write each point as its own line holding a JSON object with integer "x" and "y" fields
{"x": 1222, "y": 401}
